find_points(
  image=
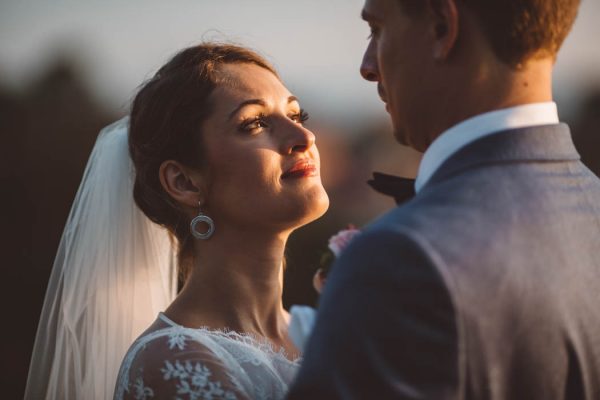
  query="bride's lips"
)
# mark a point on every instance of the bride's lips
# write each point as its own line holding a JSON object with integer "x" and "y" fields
{"x": 301, "y": 169}
{"x": 383, "y": 97}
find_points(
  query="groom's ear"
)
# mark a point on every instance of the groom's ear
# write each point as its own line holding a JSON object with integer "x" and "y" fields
{"x": 183, "y": 184}
{"x": 445, "y": 27}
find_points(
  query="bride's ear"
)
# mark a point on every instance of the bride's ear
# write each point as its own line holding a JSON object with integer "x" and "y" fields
{"x": 185, "y": 185}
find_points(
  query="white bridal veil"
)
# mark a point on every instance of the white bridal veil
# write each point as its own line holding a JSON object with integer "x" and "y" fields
{"x": 113, "y": 272}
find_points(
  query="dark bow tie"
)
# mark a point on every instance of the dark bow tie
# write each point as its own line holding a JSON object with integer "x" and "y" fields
{"x": 401, "y": 189}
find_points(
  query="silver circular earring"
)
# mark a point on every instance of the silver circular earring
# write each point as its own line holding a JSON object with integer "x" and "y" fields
{"x": 201, "y": 218}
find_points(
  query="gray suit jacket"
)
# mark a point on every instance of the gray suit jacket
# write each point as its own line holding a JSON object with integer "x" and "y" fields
{"x": 485, "y": 286}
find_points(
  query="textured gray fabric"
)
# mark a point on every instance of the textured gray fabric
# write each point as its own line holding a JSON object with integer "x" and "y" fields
{"x": 485, "y": 286}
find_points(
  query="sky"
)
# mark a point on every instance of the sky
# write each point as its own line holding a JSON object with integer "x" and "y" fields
{"x": 317, "y": 45}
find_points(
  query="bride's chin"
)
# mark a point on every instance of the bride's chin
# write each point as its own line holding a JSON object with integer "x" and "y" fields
{"x": 290, "y": 210}
{"x": 315, "y": 205}
{"x": 322, "y": 205}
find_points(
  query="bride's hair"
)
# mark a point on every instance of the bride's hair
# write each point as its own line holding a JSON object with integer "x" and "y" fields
{"x": 165, "y": 124}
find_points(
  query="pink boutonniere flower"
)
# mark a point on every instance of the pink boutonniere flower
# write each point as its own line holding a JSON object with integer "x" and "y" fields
{"x": 338, "y": 242}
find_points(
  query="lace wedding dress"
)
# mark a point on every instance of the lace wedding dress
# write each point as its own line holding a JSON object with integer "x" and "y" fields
{"x": 170, "y": 361}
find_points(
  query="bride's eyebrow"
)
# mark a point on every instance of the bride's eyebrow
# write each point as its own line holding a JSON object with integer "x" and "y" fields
{"x": 259, "y": 102}
{"x": 245, "y": 103}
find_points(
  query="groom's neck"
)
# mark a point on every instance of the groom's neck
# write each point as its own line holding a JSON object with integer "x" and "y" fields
{"x": 490, "y": 86}
{"x": 498, "y": 86}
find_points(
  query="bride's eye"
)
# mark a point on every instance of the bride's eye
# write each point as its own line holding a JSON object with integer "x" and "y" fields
{"x": 300, "y": 117}
{"x": 254, "y": 124}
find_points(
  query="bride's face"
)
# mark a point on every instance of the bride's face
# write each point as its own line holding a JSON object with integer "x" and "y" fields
{"x": 263, "y": 166}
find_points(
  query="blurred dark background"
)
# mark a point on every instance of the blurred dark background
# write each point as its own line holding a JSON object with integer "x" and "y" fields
{"x": 49, "y": 122}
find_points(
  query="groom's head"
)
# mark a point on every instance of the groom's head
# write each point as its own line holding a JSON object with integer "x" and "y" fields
{"x": 437, "y": 62}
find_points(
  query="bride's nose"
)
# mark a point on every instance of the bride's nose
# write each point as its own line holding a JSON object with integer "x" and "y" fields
{"x": 297, "y": 139}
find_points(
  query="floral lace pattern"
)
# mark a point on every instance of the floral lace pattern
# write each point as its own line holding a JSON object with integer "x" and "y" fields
{"x": 141, "y": 391}
{"x": 173, "y": 362}
{"x": 193, "y": 381}
{"x": 177, "y": 339}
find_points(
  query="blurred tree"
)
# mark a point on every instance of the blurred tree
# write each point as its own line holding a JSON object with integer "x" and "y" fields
{"x": 47, "y": 133}
{"x": 586, "y": 131}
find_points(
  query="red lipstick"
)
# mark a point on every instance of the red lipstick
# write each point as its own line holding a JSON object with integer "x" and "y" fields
{"x": 301, "y": 169}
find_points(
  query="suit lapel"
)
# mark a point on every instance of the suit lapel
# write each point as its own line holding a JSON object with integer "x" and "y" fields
{"x": 541, "y": 143}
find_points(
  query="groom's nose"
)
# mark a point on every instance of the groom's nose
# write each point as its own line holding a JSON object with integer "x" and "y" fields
{"x": 369, "y": 68}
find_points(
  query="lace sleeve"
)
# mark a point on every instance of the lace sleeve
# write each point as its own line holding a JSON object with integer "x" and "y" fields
{"x": 172, "y": 364}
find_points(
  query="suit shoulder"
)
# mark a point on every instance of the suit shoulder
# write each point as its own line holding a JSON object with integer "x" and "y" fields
{"x": 389, "y": 252}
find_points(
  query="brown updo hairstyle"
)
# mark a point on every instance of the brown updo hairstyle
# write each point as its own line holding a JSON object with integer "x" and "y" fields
{"x": 166, "y": 124}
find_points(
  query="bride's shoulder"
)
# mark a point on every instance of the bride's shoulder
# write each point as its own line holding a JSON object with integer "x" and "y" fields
{"x": 166, "y": 360}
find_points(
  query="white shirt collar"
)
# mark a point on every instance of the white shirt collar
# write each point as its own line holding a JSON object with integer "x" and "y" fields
{"x": 457, "y": 137}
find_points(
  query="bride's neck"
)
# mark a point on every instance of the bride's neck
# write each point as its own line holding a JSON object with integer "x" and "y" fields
{"x": 236, "y": 283}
